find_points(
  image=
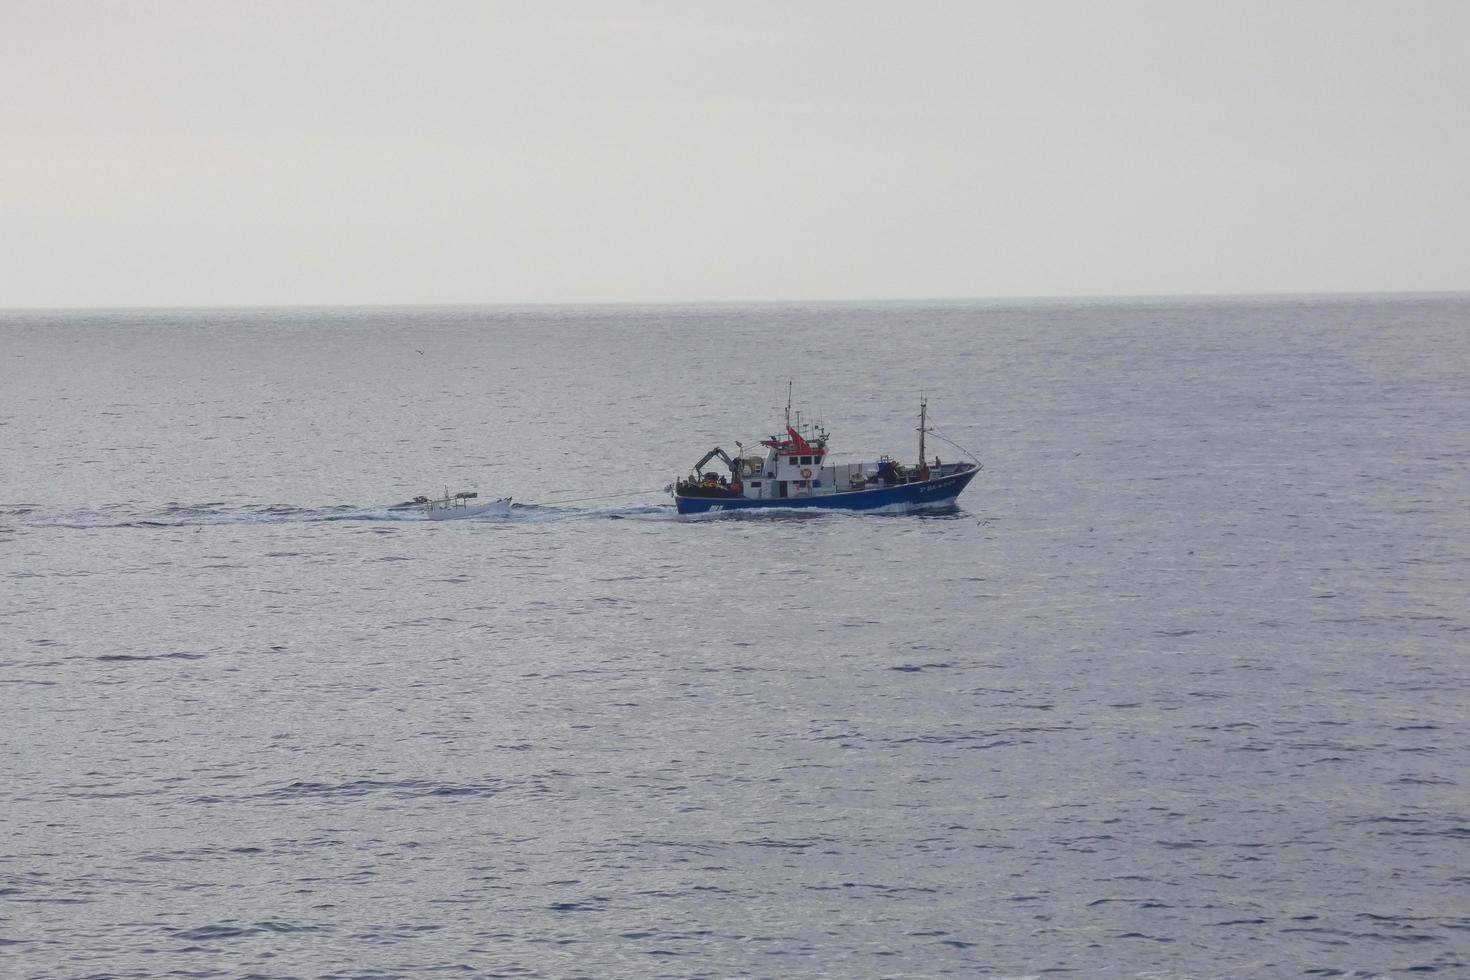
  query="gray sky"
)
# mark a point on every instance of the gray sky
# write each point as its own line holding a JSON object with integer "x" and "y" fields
{"x": 199, "y": 153}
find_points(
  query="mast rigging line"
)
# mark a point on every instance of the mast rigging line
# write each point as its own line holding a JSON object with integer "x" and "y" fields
{"x": 967, "y": 452}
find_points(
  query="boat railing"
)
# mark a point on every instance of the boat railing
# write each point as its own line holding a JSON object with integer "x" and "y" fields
{"x": 453, "y": 502}
{"x": 844, "y": 477}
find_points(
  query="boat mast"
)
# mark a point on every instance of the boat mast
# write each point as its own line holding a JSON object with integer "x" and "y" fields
{"x": 923, "y": 427}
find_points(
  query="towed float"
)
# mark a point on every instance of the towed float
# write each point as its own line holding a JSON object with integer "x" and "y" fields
{"x": 457, "y": 506}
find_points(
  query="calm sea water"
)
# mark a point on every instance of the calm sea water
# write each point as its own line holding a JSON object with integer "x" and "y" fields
{"x": 1179, "y": 690}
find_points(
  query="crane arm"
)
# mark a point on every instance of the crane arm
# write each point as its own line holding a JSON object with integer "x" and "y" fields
{"x": 724, "y": 457}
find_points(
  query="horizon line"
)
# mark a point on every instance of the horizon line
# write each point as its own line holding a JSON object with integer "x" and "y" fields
{"x": 850, "y": 301}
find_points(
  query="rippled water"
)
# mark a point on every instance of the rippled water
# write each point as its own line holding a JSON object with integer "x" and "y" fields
{"x": 1179, "y": 690}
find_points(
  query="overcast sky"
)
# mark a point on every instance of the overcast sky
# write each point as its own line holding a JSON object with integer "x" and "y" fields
{"x": 200, "y": 153}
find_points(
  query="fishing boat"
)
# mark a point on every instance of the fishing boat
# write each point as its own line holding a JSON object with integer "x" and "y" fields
{"x": 796, "y": 471}
{"x": 455, "y": 507}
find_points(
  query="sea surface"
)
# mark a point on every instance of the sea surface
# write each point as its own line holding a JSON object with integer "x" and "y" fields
{"x": 1181, "y": 689}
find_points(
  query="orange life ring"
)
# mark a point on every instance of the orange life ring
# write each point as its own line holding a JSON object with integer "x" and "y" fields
{"x": 806, "y": 474}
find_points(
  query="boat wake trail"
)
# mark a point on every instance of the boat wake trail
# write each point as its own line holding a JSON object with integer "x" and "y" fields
{"x": 175, "y": 515}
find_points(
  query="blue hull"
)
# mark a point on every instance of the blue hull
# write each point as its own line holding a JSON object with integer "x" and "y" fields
{"x": 938, "y": 492}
